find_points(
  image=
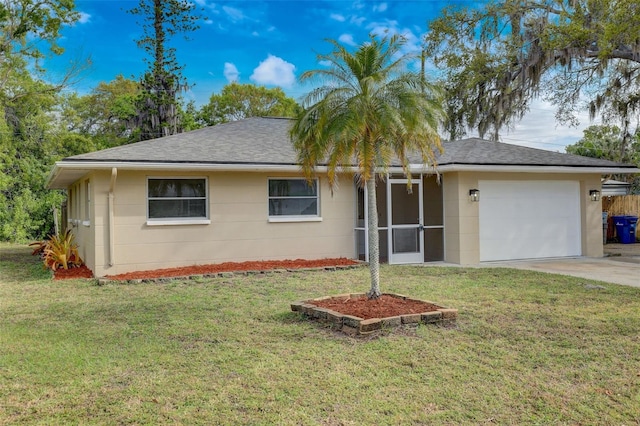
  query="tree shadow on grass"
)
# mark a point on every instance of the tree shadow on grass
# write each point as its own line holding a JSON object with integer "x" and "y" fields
{"x": 17, "y": 264}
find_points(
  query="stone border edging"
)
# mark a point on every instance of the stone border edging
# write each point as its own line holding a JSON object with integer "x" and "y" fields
{"x": 359, "y": 326}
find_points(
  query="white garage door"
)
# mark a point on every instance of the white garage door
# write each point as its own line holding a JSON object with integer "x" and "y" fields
{"x": 529, "y": 219}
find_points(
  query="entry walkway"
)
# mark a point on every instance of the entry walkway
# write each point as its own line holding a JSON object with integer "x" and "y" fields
{"x": 621, "y": 265}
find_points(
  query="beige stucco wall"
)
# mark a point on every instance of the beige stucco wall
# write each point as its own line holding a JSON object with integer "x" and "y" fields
{"x": 239, "y": 228}
{"x": 592, "y": 245}
{"x": 462, "y": 234}
{"x": 461, "y": 221}
{"x": 80, "y": 214}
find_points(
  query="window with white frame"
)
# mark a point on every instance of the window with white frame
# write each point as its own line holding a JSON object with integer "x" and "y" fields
{"x": 177, "y": 198}
{"x": 293, "y": 197}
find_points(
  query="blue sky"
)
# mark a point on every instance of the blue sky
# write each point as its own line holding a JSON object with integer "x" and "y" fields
{"x": 267, "y": 43}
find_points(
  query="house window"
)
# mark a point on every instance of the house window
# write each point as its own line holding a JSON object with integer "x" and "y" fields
{"x": 293, "y": 198}
{"x": 183, "y": 199}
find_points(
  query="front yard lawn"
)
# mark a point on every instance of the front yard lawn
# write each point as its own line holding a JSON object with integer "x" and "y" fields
{"x": 527, "y": 348}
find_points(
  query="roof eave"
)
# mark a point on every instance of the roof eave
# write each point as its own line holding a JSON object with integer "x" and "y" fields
{"x": 55, "y": 181}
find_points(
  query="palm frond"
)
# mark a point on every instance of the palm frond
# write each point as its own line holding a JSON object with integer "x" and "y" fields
{"x": 368, "y": 111}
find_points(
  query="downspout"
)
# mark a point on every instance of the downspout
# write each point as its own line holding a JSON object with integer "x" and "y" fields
{"x": 112, "y": 187}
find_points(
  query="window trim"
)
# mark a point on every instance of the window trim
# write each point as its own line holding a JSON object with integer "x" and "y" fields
{"x": 200, "y": 220}
{"x": 294, "y": 218}
{"x": 171, "y": 222}
{"x": 289, "y": 219}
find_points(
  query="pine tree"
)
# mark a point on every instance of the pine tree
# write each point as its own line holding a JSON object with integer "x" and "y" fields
{"x": 162, "y": 83}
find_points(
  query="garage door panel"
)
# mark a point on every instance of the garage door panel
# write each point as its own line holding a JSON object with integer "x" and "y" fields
{"x": 529, "y": 219}
{"x": 525, "y": 249}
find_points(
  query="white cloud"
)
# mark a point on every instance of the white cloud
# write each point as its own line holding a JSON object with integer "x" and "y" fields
{"x": 337, "y": 17}
{"x": 390, "y": 28}
{"x": 539, "y": 129}
{"x": 386, "y": 27}
{"x": 84, "y": 18}
{"x": 380, "y": 7}
{"x": 347, "y": 39}
{"x": 234, "y": 14}
{"x": 357, "y": 20}
{"x": 325, "y": 63}
{"x": 231, "y": 73}
{"x": 274, "y": 71}
{"x": 358, "y": 5}
{"x": 211, "y": 7}
{"x": 270, "y": 31}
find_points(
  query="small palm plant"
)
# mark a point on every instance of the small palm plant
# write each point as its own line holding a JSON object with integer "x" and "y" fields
{"x": 59, "y": 251}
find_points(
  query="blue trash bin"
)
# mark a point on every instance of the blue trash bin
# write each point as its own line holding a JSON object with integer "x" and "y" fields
{"x": 633, "y": 226}
{"x": 623, "y": 229}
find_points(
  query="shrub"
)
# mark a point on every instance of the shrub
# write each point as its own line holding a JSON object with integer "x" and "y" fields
{"x": 59, "y": 251}
{"x": 38, "y": 247}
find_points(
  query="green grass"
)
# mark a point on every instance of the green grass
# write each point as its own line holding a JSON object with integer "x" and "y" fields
{"x": 528, "y": 348}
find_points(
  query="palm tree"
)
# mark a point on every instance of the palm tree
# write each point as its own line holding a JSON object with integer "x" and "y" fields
{"x": 367, "y": 111}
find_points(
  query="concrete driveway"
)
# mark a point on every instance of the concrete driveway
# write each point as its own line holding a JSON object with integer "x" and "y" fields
{"x": 621, "y": 265}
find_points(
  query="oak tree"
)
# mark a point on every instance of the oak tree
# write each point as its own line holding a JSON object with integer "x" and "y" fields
{"x": 577, "y": 54}
{"x": 237, "y": 101}
{"x": 610, "y": 143}
{"x": 29, "y": 33}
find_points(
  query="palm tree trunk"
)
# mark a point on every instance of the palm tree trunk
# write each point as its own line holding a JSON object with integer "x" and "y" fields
{"x": 374, "y": 239}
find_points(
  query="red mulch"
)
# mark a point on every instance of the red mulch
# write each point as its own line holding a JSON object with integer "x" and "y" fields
{"x": 73, "y": 273}
{"x": 383, "y": 307}
{"x": 234, "y": 266}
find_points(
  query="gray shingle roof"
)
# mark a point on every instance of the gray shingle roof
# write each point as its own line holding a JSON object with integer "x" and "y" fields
{"x": 482, "y": 152}
{"x": 265, "y": 141}
{"x": 251, "y": 141}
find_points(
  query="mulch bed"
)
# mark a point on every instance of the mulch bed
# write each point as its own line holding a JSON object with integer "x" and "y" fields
{"x": 73, "y": 273}
{"x": 264, "y": 265}
{"x": 383, "y": 307}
